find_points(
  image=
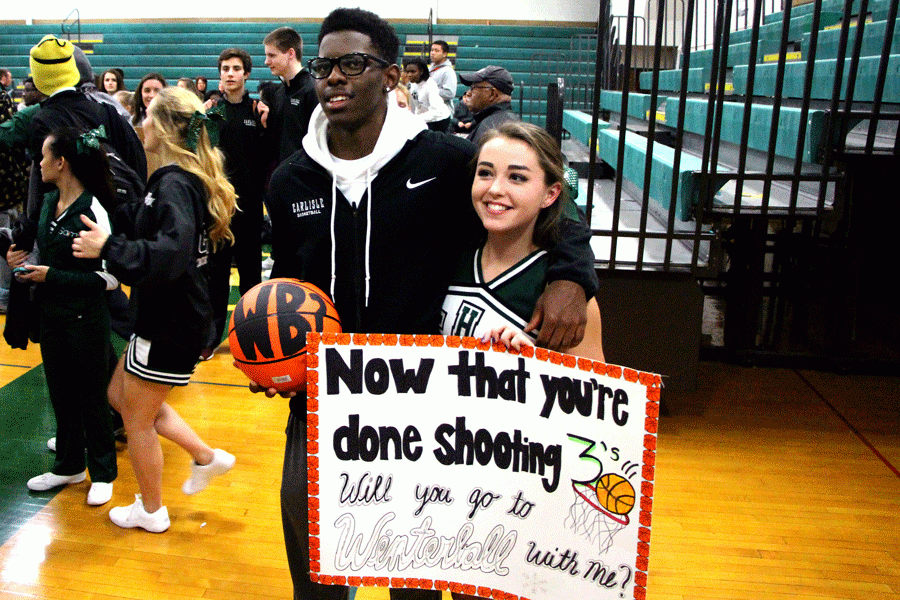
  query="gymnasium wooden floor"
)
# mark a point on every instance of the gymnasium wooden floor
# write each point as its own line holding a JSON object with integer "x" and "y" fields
{"x": 771, "y": 484}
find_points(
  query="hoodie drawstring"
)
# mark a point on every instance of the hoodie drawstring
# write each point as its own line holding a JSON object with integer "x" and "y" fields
{"x": 368, "y": 230}
{"x": 333, "y": 239}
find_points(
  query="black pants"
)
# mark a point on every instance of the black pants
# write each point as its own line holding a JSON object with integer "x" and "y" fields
{"x": 246, "y": 225}
{"x": 294, "y": 518}
{"x": 76, "y": 365}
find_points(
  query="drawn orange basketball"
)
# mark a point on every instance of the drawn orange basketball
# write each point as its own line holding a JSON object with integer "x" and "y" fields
{"x": 268, "y": 328}
{"x": 615, "y": 494}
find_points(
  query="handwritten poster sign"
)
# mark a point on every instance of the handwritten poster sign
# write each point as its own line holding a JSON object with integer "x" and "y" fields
{"x": 441, "y": 462}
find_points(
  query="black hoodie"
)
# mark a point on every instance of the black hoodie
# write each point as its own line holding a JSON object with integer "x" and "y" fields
{"x": 394, "y": 257}
{"x": 164, "y": 256}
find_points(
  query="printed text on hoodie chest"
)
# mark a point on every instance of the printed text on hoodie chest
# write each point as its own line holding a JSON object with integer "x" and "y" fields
{"x": 307, "y": 208}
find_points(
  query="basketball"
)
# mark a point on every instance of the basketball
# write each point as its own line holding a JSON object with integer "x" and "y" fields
{"x": 267, "y": 332}
{"x": 615, "y": 494}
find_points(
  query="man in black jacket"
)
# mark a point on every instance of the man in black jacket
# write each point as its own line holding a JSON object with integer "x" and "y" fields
{"x": 373, "y": 210}
{"x": 241, "y": 143}
{"x": 490, "y": 99}
{"x": 288, "y": 117}
{"x": 55, "y": 75}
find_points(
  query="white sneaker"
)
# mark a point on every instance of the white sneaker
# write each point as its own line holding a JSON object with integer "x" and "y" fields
{"x": 268, "y": 264}
{"x": 100, "y": 493}
{"x": 202, "y": 474}
{"x": 134, "y": 515}
{"x": 51, "y": 444}
{"x": 48, "y": 481}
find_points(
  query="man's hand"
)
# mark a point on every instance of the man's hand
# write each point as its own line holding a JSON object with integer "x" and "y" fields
{"x": 561, "y": 314}
{"x": 263, "y": 109}
{"x": 270, "y": 392}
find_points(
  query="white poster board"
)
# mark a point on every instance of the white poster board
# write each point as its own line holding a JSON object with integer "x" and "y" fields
{"x": 443, "y": 463}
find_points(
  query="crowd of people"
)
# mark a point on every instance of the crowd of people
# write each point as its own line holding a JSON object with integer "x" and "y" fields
{"x": 411, "y": 200}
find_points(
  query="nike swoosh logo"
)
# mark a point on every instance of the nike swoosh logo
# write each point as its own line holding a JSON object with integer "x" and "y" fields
{"x": 411, "y": 186}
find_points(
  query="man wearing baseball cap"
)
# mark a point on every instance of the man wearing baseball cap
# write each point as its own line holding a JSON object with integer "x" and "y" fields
{"x": 490, "y": 100}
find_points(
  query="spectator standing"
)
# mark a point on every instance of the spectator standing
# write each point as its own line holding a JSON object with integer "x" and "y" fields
{"x": 13, "y": 191}
{"x": 53, "y": 65}
{"x": 490, "y": 100}
{"x": 87, "y": 86}
{"x": 442, "y": 71}
{"x": 112, "y": 81}
{"x": 147, "y": 89}
{"x": 240, "y": 142}
{"x": 188, "y": 84}
{"x": 288, "y": 117}
{"x": 427, "y": 103}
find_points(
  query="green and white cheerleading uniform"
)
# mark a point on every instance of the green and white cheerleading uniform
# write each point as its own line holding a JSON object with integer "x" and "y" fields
{"x": 474, "y": 307}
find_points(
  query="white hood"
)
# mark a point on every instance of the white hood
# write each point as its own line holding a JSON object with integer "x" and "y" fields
{"x": 400, "y": 126}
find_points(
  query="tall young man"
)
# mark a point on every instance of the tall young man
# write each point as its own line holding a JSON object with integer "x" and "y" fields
{"x": 442, "y": 72}
{"x": 288, "y": 117}
{"x": 375, "y": 209}
{"x": 240, "y": 141}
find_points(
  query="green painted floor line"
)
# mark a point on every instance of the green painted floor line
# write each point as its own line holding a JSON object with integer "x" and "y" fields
{"x": 26, "y": 420}
{"x": 26, "y": 423}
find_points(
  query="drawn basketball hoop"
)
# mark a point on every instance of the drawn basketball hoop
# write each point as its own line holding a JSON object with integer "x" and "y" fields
{"x": 591, "y": 520}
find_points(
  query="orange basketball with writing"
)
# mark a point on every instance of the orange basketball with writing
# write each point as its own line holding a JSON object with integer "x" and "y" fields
{"x": 267, "y": 332}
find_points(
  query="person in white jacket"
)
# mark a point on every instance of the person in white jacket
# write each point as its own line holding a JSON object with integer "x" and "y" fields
{"x": 425, "y": 96}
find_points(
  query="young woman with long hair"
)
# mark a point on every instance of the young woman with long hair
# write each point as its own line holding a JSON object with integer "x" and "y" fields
{"x": 520, "y": 195}
{"x": 186, "y": 212}
{"x": 75, "y": 325}
{"x": 112, "y": 81}
{"x": 147, "y": 89}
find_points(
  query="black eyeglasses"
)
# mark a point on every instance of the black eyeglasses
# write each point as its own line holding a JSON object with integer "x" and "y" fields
{"x": 350, "y": 65}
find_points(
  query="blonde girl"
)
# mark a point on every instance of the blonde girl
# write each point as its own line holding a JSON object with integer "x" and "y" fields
{"x": 163, "y": 256}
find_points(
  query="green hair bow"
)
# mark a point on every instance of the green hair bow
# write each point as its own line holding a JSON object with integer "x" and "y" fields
{"x": 212, "y": 119}
{"x": 90, "y": 140}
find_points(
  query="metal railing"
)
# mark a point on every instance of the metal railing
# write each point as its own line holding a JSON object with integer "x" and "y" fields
{"x": 70, "y": 23}
{"x": 757, "y": 208}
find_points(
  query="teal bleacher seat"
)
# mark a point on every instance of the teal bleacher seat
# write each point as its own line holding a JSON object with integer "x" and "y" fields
{"x": 872, "y": 43}
{"x": 798, "y": 26}
{"x": 663, "y": 171}
{"x": 739, "y": 54}
{"x": 827, "y": 6}
{"x": 638, "y": 104}
{"x": 760, "y": 126}
{"x": 578, "y": 124}
{"x": 670, "y": 81}
{"x": 823, "y": 79}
